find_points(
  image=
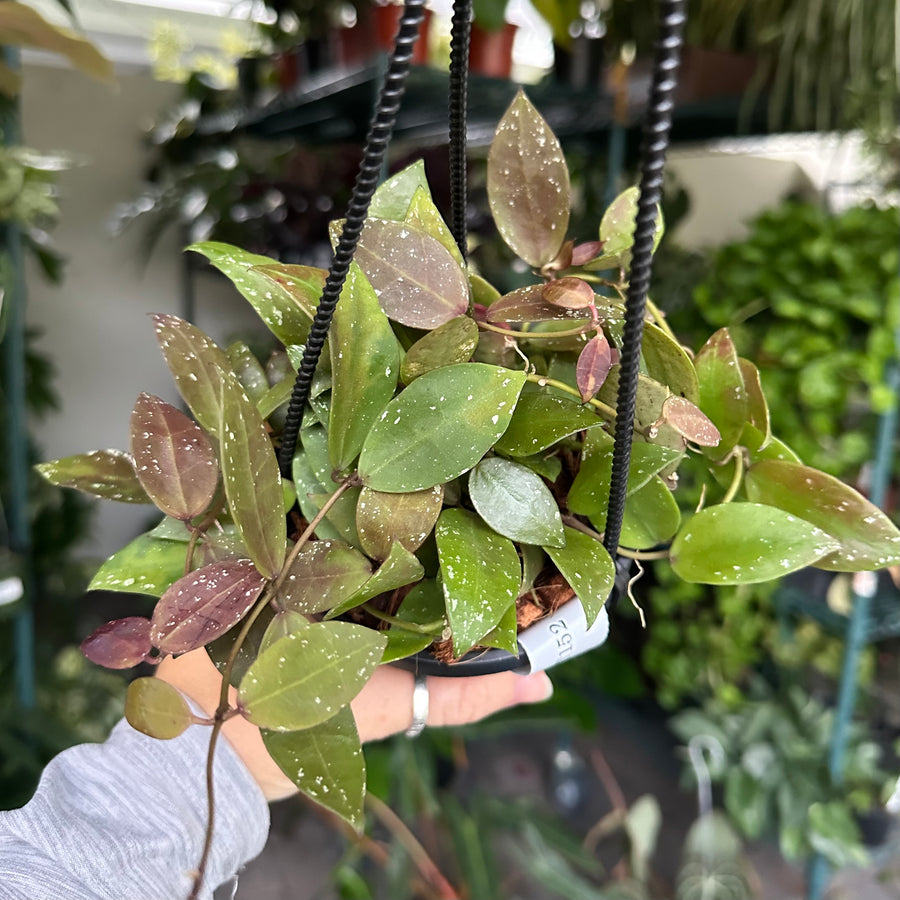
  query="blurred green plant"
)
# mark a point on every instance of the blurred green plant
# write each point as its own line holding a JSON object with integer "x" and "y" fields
{"x": 774, "y": 771}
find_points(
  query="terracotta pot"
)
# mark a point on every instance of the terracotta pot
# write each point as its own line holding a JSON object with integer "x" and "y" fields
{"x": 490, "y": 52}
{"x": 387, "y": 23}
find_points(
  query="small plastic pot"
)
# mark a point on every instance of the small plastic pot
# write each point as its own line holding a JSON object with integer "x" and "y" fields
{"x": 552, "y": 640}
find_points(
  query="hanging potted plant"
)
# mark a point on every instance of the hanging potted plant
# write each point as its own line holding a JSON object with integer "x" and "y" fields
{"x": 451, "y": 480}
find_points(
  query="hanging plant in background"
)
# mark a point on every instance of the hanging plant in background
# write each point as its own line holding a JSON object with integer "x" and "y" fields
{"x": 453, "y": 469}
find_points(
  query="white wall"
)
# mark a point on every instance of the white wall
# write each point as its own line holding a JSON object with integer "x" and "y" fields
{"x": 96, "y": 323}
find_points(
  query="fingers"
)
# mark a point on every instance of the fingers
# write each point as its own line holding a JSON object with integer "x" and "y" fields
{"x": 384, "y": 706}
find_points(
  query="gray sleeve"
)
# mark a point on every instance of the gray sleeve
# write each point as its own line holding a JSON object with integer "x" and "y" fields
{"x": 127, "y": 819}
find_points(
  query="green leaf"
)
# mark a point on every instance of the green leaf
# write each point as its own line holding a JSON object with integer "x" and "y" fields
{"x": 651, "y": 516}
{"x": 323, "y": 574}
{"x": 285, "y": 306}
{"x": 393, "y": 197}
{"x": 416, "y": 279}
{"x": 528, "y": 184}
{"x": 515, "y": 502}
{"x": 439, "y": 427}
{"x": 480, "y": 572}
{"x": 249, "y": 371}
{"x": 306, "y": 677}
{"x": 277, "y": 395}
{"x": 745, "y": 543}
{"x": 746, "y": 802}
{"x": 385, "y": 519}
{"x": 326, "y": 763}
{"x": 283, "y": 623}
{"x": 453, "y": 342}
{"x": 197, "y": 365}
{"x": 423, "y": 605}
{"x": 834, "y": 833}
{"x": 220, "y": 650}
{"x": 723, "y": 395}
{"x": 155, "y": 708}
{"x": 617, "y": 231}
{"x": 342, "y": 515}
{"x": 399, "y": 569}
{"x": 143, "y": 566}
{"x": 588, "y": 569}
{"x": 868, "y": 538}
{"x": 204, "y": 604}
{"x": 173, "y": 458}
{"x": 252, "y": 480}
{"x": 504, "y": 635}
{"x": 101, "y": 473}
{"x": 755, "y": 441}
{"x": 757, "y": 406}
{"x": 424, "y": 215}
{"x": 548, "y": 467}
{"x": 540, "y": 420}
{"x": 309, "y": 490}
{"x": 365, "y": 364}
{"x": 668, "y": 363}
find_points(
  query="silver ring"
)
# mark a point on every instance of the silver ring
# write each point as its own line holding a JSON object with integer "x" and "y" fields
{"x": 420, "y": 707}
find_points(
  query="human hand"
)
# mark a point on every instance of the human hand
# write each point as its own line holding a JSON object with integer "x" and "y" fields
{"x": 383, "y": 707}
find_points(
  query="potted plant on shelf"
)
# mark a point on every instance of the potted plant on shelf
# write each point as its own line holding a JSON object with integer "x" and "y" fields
{"x": 453, "y": 469}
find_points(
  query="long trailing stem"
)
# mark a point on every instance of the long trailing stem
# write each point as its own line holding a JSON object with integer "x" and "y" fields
{"x": 544, "y": 381}
{"x": 419, "y": 855}
{"x": 224, "y": 710}
{"x": 587, "y": 325}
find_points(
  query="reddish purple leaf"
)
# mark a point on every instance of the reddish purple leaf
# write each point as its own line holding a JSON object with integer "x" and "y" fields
{"x": 584, "y": 253}
{"x": 690, "y": 422}
{"x": 528, "y": 305}
{"x": 569, "y": 293}
{"x": 203, "y": 605}
{"x": 594, "y": 364}
{"x": 173, "y": 458}
{"x": 119, "y": 644}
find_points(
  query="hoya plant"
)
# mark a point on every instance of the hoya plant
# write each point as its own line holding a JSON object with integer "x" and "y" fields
{"x": 451, "y": 480}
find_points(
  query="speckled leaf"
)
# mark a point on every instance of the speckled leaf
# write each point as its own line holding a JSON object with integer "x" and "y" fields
{"x": 868, "y": 538}
{"x": 651, "y": 516}
{"x": 540, "y": 420}
{"x": 668, "y": 363}
{"x": 314, "y": 440}
{"x": 588, "y": 569}
{"x": 220, "y": 650}
{"x": 323, "y": 575}
{"x": 286, "y": 310}
{"x": 283, "y": 623}
{"x": 423, "y": 605}
{"x": 723, "y": 396}
{"x": 504, "y": 636}
{"x": 690, "y": 422}
{"x": 100, "y": 473}
{"x": 745, "y": 543}
{"x": 480, "y": 573}
{"x": 306, "y": 677}
{"x": 326, "y": 763}
{"x": 453, "y": 342}
{"x": 528, "y": 305}
{"x": 342, "y": 515}
{"x": 143, "y": 566}
{"x": 385, "y": 519}
{"x": 439, "y": 427}
{"x": 594, "y": 363}
{"x": 155, "y": 708}
{"x": 173, "y": 458}
{"x": 249, "y": 370}
{"x": 416, "y": 280}
{"x": 394, "y": 195}
{"x": 197, "y": 365}
{"x": 204, "y": 604}
{"x": 753, "y": 439}
{"x": 528, "y": 184}
{"x": 424, "y": 215}
{"x": 569, "y": 293}
{"x": 119, "y": 644}
{"x": 617, "y": 231}
{"x": 252, "y": 481}
{"x": 309, "y": 487}
{"x": 548, "y": 467}
{"x": 515, "y": 502}
{"x": 399, "y": 569}
{"x": 757, "y": 406}
{"x": 589, "y": 493}
{"x": 365, "y": 365}
{"x": 277, "y": 395}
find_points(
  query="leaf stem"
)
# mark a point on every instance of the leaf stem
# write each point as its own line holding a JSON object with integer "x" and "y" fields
{"x": 735, "y": 479}
{"x": 659, "y": 319}
{"x": 544, "y": 381}
{"x": 642, "y": 554}
{"x": 539, "y": 335}
{"x": 430, "y": 628}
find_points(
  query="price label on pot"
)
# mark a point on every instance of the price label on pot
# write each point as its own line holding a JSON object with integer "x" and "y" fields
{"x": 562, "y": 636}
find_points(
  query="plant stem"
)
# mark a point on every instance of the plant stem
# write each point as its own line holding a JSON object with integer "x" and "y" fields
{"x": 543, "y": 381}
{"x": 196, "y": 534}
{"x": 430, "y": 628}
{"x": 224, "y": 710}
{"x": 735, "y": 479}
{"x": 642, "y": 554}
{"x": 419, "y": 855}
{"x": 659, "y": 319}
{"x": 538, "y": 335}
